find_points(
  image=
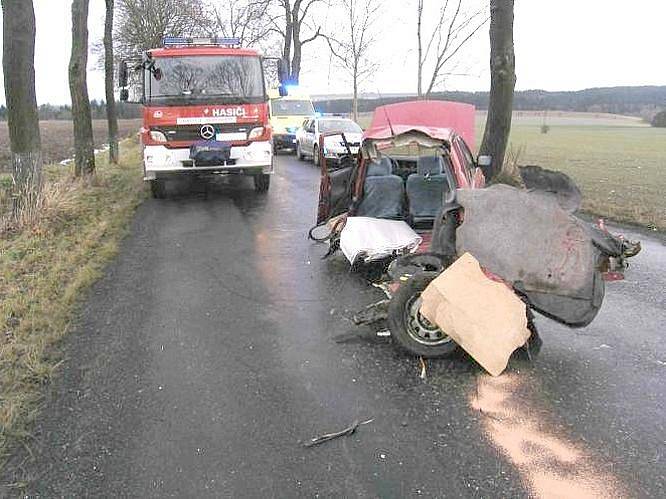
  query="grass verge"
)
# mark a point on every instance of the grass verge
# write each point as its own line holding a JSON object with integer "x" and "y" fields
{"x": 43, "y": 270}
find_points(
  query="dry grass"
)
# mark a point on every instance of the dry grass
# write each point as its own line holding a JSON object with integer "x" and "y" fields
{"x": 45, "y": 267}
{"x": 58, "y": 140}
{"x": 510, "y": 174}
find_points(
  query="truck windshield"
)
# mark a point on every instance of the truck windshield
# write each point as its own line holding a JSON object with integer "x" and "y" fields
{"x": 210, "y": 79}
{"x": 281, "y": 107}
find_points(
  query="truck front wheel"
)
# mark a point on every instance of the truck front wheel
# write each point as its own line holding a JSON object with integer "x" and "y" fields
{"x": 157, "y": 188}
{"x": 262, "y": 182}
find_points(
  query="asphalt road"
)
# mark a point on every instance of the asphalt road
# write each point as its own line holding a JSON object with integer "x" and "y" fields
{"x": 219, "y": 341}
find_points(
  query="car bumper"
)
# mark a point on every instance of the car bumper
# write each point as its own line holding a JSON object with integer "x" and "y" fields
{"x": 160, "y": 161}
{"x": 284, "y": 140}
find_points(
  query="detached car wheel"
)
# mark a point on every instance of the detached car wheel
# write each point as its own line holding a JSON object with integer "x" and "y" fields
{"x": 413, "y": 332}
{"x": 262, "y": 182}
{"x": 158, "y": 189}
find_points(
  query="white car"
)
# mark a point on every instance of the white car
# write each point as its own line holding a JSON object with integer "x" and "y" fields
{"x": 307, "y": 137}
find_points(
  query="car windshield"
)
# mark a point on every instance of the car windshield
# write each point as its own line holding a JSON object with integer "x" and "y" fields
{"x": 347, "y": 126}
{"x": 237, "y": 79}
{"x": 282, "y": 107}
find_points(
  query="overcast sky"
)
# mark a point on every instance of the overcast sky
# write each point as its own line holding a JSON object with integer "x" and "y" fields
{"x": 560, "y": 45}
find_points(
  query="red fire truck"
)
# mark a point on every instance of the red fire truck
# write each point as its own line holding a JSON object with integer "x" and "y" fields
{"x": 205, "y": 110}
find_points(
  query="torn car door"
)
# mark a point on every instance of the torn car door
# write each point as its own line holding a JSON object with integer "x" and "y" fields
{"x": 336, "y": 185}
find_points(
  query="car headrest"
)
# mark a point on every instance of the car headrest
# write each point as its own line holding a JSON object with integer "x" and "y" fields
{"x": 380, "y": 168}
{"x": 429, "y": 165}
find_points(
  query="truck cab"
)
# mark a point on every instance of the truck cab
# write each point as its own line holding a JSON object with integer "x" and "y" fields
{"x": 205, "y": 111}
{"x": 286, "y": 116}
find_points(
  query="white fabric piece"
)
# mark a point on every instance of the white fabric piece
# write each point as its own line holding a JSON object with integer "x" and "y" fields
{"x": 376, "y": 238}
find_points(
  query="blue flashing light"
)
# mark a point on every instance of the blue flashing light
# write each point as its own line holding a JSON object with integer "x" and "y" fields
{"x": 174, "y": 40}
{"x": 291, "y": 89}
{"x": 185, "y": 41}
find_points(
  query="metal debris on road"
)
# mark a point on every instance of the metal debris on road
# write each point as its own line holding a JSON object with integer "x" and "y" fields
{"x": 330, "y": 436}
{"x": 423, "y": 366}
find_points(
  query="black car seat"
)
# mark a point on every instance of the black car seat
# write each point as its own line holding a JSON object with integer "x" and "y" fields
{"x": 425, "y": 189}
{"x": 383, "y": 192}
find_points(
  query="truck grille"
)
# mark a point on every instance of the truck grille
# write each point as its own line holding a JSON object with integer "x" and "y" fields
{"x": 190, "y": 133}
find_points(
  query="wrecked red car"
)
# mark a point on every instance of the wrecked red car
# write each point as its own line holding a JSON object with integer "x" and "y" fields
{"x": 413, "y": 202}
{"x": 413, "y": 155}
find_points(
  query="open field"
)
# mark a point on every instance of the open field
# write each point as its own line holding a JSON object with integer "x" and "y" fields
{"x": 58, "y": 138}
{"x": 619, "y": 162}
{"x": 45, "y": 267}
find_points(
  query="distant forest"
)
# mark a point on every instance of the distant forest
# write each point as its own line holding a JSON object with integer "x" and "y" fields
{"x": 634, "y": 101}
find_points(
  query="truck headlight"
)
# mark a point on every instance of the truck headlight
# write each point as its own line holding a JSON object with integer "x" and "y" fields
{"x": 255, "y": 133}
{"x": 157, "y": 136}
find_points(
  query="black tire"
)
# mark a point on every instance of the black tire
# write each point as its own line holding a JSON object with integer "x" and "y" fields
{"x": 411, "y": 331}
{"x": 158, "y": 189}
{"x": 262, "y": 182}
{"x": 299, "y": 152}
{"x": 315, "y": 155}
{"x": 414, "y": 263}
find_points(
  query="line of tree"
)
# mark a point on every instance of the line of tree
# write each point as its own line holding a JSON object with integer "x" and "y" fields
{"x": 632, "y": 101}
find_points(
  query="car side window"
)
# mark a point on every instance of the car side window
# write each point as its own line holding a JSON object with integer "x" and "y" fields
{"x": 305, "y": 125}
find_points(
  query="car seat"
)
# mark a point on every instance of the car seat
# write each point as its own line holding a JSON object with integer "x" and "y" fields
{"x": 425, "y": 189}
{"x": 383, "y": 192}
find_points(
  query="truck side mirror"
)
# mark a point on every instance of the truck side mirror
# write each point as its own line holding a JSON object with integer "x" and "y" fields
{"x": 123, "y": 74}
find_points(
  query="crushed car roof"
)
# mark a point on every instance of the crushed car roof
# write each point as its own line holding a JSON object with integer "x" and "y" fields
{"x": 437, "y": 119}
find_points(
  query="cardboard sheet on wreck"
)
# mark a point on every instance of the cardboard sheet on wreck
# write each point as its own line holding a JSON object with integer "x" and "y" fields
{"x": 529, "y": 239}
{"x": 484, "y": 317}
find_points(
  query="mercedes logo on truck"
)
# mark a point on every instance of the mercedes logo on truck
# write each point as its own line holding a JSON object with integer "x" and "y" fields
{"x": 207, "y": 132}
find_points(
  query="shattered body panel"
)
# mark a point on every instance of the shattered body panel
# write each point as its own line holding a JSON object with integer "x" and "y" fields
{"x": 528, "y": 238}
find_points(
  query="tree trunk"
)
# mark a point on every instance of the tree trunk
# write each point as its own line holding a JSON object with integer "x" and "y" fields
{"x": 419, "y": 89}
{"x": 294, "y": 74}
{"x": 286, "y": 50}
{"x": 22, "y": 116}
{"x": 502, "y": 83}
{"x": 355, "y": 99}
{"x": 84, "y": 152}
{"x": 111, "y": 113}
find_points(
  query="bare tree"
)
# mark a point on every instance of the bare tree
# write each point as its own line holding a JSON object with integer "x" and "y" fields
{"x": 84, "y": 152}
{"x": 454, "y": 27}
{"x": 502, "y": 83}
{"x": 23, "y": 121}
{"x": 251, "y": 21}
{"x": 111, "y": 113}
{"x": 352, "y": 43}
{"x": 294, "y": 13}
{"x": 142, "y": 24}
